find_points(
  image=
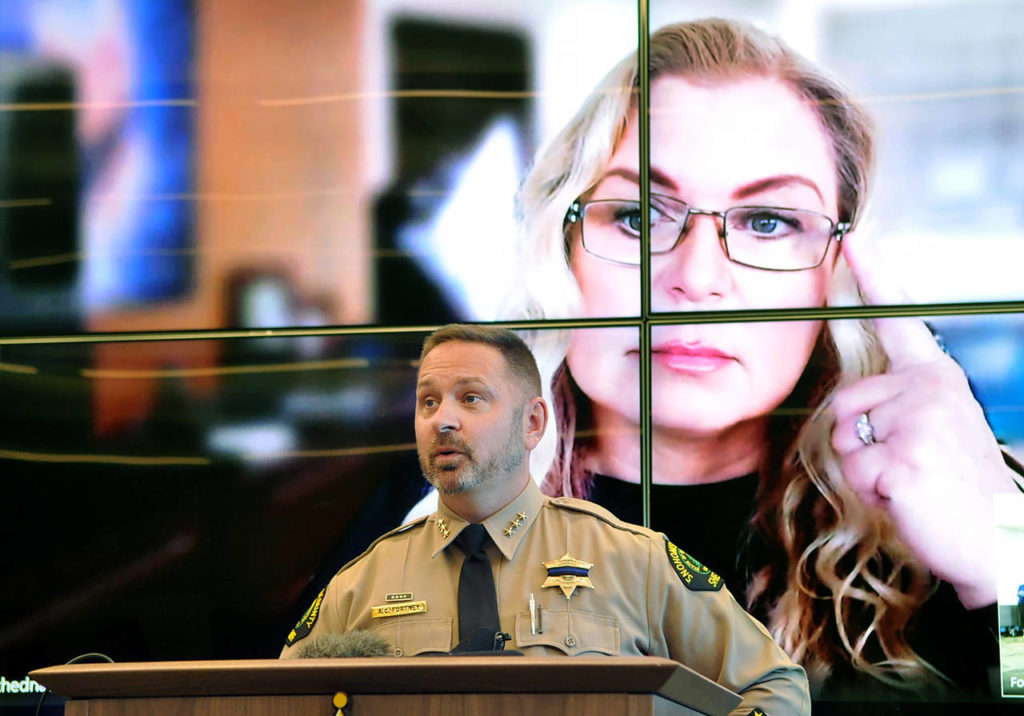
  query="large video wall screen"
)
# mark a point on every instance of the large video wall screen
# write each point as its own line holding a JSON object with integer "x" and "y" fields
{"x": 370, "y": 168}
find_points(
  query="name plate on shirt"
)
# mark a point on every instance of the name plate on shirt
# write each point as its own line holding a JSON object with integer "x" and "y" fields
{"x": 397, "y": 610}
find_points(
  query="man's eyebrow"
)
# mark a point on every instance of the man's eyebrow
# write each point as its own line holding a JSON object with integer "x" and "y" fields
{"x": 782, "y": 180}
{"x": 466, "y": 380}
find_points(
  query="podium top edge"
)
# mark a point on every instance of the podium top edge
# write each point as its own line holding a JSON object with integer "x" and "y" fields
{"x": 386, "y": 675}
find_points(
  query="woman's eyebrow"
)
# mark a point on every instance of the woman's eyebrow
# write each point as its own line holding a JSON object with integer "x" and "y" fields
{"x": 657, "y": 177}
{"x": 623, "y": 173}
{"x": 750, "y": 189}
{"x": 756, "y": 187}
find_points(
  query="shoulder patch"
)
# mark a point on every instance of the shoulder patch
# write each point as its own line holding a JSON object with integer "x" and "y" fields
{"x": 305, "y": 624}
{"x": 693, "y": 574}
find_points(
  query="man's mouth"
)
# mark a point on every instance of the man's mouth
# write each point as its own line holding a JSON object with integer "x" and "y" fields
{"x": 448, "y": 447}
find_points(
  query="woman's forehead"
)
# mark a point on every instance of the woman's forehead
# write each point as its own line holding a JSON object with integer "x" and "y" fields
{"x": 717, "y": 139}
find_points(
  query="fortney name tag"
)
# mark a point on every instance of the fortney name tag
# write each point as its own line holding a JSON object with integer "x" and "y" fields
{"x": 397, "y": 610}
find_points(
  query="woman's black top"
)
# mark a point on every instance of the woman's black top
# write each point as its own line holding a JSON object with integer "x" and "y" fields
{"x": 710, "y": 522}
{"x": 707, "y": 521}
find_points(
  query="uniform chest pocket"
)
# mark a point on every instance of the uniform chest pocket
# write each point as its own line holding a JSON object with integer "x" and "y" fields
{"x": 412, "y": 635}
{"x": 571, "y": 632}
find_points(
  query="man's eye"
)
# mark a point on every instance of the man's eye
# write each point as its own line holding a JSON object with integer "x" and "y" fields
{"x": 472, "y": 398}
{"x": 428, "y": 402}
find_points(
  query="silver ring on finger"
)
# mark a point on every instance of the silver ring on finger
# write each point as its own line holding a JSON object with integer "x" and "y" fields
{"x": 864, "y": 429}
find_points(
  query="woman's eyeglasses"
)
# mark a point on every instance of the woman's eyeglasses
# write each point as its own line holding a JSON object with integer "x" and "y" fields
{"x": 763, "y": 237}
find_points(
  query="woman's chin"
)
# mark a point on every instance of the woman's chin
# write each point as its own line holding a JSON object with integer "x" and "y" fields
{"x": 704, "y": 420}
{"x": 692, "y": 427}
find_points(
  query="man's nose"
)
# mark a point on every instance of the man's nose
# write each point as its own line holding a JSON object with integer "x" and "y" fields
{"x": 446, "y": 417}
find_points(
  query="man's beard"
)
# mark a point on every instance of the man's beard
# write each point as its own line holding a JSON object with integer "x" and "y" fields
{"x": 458, "y": 478}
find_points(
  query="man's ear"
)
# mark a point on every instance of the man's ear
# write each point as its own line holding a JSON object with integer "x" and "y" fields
{"x": 535, "y": 420}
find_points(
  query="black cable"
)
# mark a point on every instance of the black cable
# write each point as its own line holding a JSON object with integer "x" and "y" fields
{"x": 78, "y": 659}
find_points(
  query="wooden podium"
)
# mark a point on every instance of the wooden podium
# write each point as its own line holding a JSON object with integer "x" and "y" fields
{"x": 441, "y": 685}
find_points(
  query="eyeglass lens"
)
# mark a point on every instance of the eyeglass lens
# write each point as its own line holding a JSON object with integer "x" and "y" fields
{"x": 761, "y": 237}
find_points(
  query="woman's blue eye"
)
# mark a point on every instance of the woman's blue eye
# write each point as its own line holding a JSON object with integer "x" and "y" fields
{"x": 630, "y": 218}
{"x": 764, "y": 224}
{"x": 768, "y": 224}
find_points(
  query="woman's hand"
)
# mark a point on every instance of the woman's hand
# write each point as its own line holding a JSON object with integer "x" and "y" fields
{"x": 934, "y": 464}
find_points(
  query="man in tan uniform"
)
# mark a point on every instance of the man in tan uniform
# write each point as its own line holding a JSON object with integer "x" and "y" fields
{"x": 598, "y": 585}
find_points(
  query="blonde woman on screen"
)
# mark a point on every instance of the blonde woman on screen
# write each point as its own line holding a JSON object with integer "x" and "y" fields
{"x": 859, "y": 444}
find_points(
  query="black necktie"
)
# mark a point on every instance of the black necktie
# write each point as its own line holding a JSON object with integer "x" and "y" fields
{"x": 478, "y": 601}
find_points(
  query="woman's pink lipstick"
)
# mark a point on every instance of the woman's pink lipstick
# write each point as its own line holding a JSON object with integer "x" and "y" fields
{"x": 690, "y": 357}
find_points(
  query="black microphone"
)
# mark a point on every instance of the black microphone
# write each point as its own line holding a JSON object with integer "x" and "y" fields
{"x": 351, "y": 644}
{"x": 484, "y": 642}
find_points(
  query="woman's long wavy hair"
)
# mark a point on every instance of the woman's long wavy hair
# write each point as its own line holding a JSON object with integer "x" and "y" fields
{"x": 837, "y": 587}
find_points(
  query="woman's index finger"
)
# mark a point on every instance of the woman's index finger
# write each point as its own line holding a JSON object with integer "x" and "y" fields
{"x": 907, "y": 341}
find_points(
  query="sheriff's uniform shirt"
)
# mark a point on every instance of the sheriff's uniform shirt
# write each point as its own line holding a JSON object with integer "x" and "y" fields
{"x": 641, "y": 596}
